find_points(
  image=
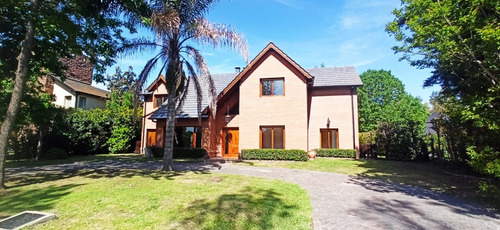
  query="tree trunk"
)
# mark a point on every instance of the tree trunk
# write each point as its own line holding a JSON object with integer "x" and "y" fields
{"x": 169, "y": 131}
{"x": 17, "y": 93}
{"x": 39, "y": 145}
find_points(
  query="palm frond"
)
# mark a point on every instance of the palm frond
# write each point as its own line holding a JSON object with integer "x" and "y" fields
{"x": 182, "y": 97}
{"x": 150, "y": 64}
{"x": 219, "y": 35}
{"x": 199, "y": 92}
{"x": 137, "y": 45}
{"x": 165, "y": 21}
{"x": 204, "y": 73}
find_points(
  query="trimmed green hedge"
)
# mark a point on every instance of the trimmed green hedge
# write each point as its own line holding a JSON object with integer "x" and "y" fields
{"x": 274, "y": 154}
{"x": 181, "y": 153}
{"x": 343, "y": 153}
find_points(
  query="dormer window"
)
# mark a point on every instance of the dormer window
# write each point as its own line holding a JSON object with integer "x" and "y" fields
{"x": 159, "y": 100}
{"x": 272, "y": 87}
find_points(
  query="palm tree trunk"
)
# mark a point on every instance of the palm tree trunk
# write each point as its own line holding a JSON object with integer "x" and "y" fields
{"x": 169, "y": 131}
{"x": 17, "y": 93}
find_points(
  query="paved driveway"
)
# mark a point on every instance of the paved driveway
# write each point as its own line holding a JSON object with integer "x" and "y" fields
{"x": 340, "y": 201}
{"x": 345, "y": 202}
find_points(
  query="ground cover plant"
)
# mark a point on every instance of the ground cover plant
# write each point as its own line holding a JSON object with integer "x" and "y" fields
{"x": 137, "y": 199}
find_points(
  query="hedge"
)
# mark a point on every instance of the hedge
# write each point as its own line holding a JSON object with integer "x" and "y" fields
{"x": 181, "y": 153}
{"x": 343, "y": 153}
{"x": 274, "y": 154}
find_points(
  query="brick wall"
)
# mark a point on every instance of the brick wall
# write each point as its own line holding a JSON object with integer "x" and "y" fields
{"x": 79, "y": 69}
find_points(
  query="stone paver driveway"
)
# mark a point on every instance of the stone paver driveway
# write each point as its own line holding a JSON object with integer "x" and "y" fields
{"x": 344, "y": 202}
{"x": 340, "y": 201}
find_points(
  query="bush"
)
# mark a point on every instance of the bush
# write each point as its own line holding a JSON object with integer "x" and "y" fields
{"x": 343, "y": 153}
{"x": 55, "y": 154}
{"x": 180, "y": 153}
{"x": 274, "y": 154}
{"x": 401, "y": 141}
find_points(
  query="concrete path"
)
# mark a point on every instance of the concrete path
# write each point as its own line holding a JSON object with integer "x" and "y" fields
{"x": 340, "y": 201}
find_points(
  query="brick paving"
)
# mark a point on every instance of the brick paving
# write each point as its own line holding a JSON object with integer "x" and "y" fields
{"x": 345, "y": 202}
{"x": 339, "y": 201}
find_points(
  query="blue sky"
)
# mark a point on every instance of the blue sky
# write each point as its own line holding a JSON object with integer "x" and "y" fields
{"x": 334, "y": 32}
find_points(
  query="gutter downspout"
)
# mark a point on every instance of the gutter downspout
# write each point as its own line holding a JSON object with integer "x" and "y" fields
{"x": 353, "y": 123}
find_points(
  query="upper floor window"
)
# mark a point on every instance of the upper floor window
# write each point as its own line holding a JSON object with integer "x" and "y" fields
{"x": 272, "y": 87}
{"x": 82, "y": 102}
{"x": 159, "y": 100}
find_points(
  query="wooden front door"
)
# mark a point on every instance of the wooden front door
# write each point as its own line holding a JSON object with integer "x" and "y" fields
{"x": 151, "y": 137}
{"x": 230, "y": 142}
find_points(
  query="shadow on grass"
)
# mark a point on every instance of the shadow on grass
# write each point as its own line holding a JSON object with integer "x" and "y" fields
{"x": 103, "y": 169}
{"x": 33, "y": 199}
{"x": 249, "y": 208}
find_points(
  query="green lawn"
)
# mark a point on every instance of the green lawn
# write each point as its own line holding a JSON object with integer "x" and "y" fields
{"x": 425, "y": 175}
{"x": 137, "y": 199}
{"x": 87, "y": 158}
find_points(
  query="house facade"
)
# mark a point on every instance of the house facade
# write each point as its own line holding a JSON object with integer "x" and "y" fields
{"x": 76, "y": 91}
{"x": 272, "y": 103}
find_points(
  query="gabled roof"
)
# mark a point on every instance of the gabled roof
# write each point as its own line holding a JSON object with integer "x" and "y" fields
{"x": 80, "y": 87}
{"x": 190, "y": 106}
{"x": 155, "y": 82}
{"x": 330, "y": 76}
{"x": 270, "y": 47}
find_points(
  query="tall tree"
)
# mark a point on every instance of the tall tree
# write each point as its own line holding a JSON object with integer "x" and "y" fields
{"x": 382, "y": 98}
{"x": 39, "y": 33}
{"x": 179, "y": 24}
{"x": 460, "y": 40}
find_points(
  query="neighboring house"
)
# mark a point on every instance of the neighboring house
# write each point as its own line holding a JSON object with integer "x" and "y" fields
{"x": 76, "y": 91}
{"x": 272, "y": 103}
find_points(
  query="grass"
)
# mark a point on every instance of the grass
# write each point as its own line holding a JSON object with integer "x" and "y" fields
{"x": 84, "y": 158}
{"x": 137, "y": 199}
{"x": 424, "y": 175}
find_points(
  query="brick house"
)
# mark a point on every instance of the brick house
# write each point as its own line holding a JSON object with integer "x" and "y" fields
{"x": 76, "y": 91}
{"x": 271, "y": 103}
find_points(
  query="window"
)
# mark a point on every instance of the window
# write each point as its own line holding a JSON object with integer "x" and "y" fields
{"x": 159, "y": 100}
{"x": 67, "y": 101}
{"x": 82, "y": 102}
{"x": 272, "y": 137}
{"x": 272, "y": 87}
{"x": 187, "y": 137}
{"x": 329, "y": 138}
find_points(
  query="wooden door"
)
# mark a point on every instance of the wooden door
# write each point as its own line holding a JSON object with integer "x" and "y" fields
{"x": 230, "y": 142}
{"x": 151, "y": 137}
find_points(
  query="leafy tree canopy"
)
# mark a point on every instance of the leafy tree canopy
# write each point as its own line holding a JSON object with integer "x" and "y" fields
{"x": 382, "y": 98}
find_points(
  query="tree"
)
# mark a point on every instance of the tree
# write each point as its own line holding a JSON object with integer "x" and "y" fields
{"x": 459, "y": 40}
{"x": 178, "y": 24}
{"x": 382, "y": 98}
{"x": 39, "y": 33}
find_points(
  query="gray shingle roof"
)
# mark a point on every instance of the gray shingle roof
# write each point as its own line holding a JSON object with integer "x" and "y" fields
{"x": 335, "y": 76}
{"x": 329, "y": 76}
{"x": 190, "y": 106}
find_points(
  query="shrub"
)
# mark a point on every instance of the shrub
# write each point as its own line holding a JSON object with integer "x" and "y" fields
{"x": 401, "y": 141}
{"x": 180, "y": 153}
{"x": 274, "y": 154}
{"x": 55, "y": 154}
{"x": 343, "y": 153}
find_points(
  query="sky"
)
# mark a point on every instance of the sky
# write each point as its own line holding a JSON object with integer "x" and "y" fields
{"x": 333, "y": 32}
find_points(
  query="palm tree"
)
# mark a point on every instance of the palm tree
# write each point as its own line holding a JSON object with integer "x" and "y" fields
{"x": 178, "y": 24}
